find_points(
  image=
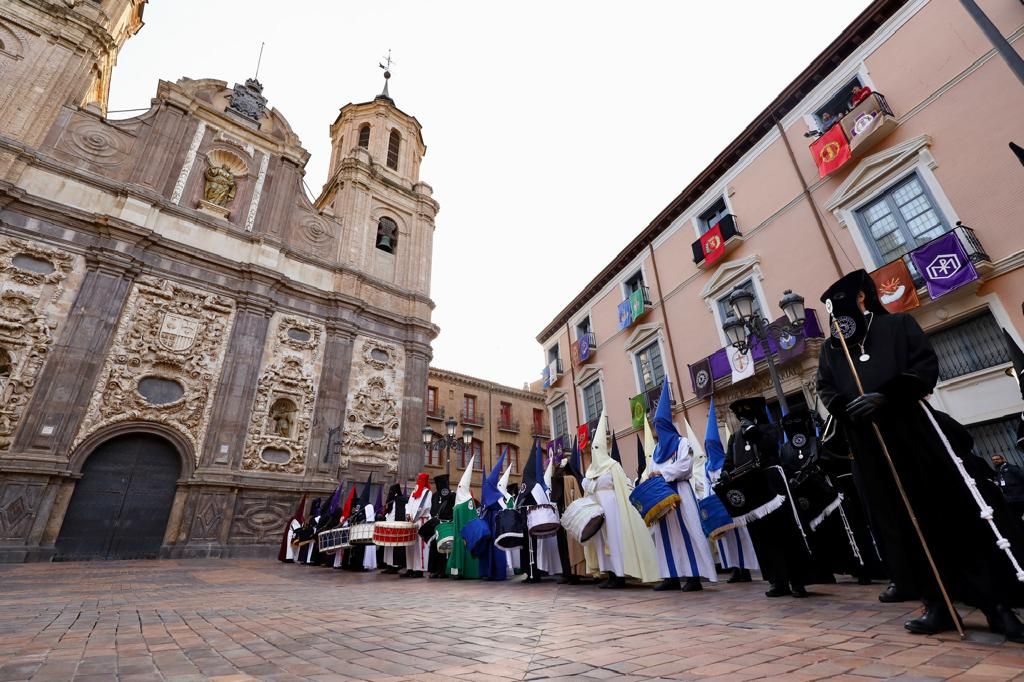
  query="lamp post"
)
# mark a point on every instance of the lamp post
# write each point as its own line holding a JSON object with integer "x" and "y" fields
{"x": 744, "y": 327}
{"x": 448, "y": 442}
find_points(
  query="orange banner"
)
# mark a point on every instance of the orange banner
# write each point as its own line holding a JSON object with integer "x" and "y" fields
{"x": 896, "y": 287}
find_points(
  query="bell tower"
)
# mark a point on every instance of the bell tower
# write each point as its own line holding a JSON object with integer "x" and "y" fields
{"x": 55, "y": 53}
{"x": 374, "y": 187}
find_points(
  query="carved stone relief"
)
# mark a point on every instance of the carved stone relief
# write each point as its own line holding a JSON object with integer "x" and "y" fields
{"x": 282, "y": 413}
{"x": 374, "y": 408}
{"x": 259, "y": 518}
{"x": 95, "y": 142}
{"x": 208, "y": 517}
{"x": 38, "y": 285}
{"x": 171, "y": 332}
{"x": 19, "y": 504}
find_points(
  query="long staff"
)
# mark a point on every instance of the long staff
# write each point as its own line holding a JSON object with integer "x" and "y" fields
{"x": 896, "y": 478}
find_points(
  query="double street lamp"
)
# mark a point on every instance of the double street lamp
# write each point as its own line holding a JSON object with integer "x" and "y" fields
{"x": 745, "y": 328}
{"x": 448, "y": 442}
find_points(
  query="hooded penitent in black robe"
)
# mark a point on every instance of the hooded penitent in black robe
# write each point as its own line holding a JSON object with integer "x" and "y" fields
{"x": 442, "y": 506}
{"x": 778, "y": 540}
{"x": 898, "y": 369}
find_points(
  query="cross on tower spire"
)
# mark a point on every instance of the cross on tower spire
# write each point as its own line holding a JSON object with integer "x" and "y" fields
{"x": 385, "y": 64}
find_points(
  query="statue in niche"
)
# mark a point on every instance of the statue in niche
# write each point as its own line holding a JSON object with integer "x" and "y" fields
{"x": 282, "y": 418}
{"x": 220, "y": 185}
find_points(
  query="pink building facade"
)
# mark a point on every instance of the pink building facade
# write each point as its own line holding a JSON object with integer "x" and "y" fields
{"x": 929, "y": 161}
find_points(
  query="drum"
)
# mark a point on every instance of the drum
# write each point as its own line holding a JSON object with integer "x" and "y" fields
{"x": 509, "y": 529}
{"x": 542, "y": 520}
{"x": 304, "y": 535}
{"x": 330, "y": 541}
{"x": 361, "y": 534}
{"x": 445, "y": 537}
{"x": 428, "y": 529}
{"x": 583, "y": 519}
{"x": 394, "y": 534}
{"x": 477, "y": 535}
{"x": 752, "y": 494}
{"x": 815, "y": 500}
{"x": 654, "y": 498}
{"x": 714, "y": 519}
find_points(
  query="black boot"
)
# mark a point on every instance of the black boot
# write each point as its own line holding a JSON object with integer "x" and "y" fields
{"x": 799, "y": 591}
{"x": 1002, "y": 620}
{"x": 693, "y": 585}
{"x": 894, "y": 594}
{"x": 667, "y": 584}
{"x": 778, "y": 590}
{"x": 935, "y": 619}
{"x": 614, "y": 583}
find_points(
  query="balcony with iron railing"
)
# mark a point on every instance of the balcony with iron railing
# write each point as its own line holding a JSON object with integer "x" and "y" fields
{"x": 704, "y": 249}
{"x": 508, "y": 424}
{"x": 540, "y": 430}
{"x": 862, "y": 126}
{"x": 472, "y": 418}
{"x": 436, "y": 413}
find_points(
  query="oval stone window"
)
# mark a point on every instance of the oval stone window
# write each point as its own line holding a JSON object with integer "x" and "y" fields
{"x": 379, "y": 355}
{"x": 23, "y": 261}
{"x": 158, "y": 391}
{"x": 298, "y": 334}
{"x": 373, "y": 432}
{"x": 275, "y": 455}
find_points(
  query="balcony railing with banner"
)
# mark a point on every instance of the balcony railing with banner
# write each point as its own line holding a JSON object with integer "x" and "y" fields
{"x": 552, "y": 373}
{"x": 706, "y": 253}
{"x": 472, "y": 418}
{"x": 635, "y": 305}
{"x": 508, "y": 424}
{"x": 857, "y": 131}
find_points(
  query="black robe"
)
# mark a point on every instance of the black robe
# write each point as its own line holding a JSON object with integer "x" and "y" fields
{"x": 904, "y": 368}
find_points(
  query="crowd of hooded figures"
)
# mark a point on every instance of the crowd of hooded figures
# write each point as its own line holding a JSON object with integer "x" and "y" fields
{"x": 886, "y": 487}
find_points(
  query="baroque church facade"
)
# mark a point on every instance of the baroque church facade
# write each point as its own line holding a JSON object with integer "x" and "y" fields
{"x": 188, "y": 343}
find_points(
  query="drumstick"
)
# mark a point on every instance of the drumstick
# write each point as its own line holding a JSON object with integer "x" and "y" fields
{"x": 896, "y": 478}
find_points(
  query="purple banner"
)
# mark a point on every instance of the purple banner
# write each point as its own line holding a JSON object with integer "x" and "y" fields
{"x": 944, "y": 265}
{"x": 703, "y": 382}
{"x": 719, "y": 360}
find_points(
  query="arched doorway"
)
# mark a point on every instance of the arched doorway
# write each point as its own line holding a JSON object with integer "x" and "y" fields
{"x": 120, "y": 506}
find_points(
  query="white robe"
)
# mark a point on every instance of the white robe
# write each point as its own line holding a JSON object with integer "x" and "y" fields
{"x": 737, "y": 551}
{"x": 370, "y": 554}
{"x": 683, "y": 551}
{"x": 419, "y": 513}
{"x": 545, "y": 555}
{"x": 607, "y": 544}
{"x": 309, "y": 546}
{"x": 290, "y": 552}
{"x": 389, "y": 552}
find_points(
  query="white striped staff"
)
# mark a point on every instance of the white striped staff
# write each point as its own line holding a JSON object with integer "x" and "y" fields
{"x": 896, "y": 478}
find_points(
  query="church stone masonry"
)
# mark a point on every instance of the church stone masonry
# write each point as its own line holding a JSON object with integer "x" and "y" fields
{"x": 165, "y": 280}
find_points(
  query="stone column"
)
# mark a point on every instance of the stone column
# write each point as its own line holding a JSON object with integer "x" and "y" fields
{"x": 67, "y": 380}
{"x": 331, "y": 397}
{"x": 410, "y": 448}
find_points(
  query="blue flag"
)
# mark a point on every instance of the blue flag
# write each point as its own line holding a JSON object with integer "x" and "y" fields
{"x": 713, "y": 443}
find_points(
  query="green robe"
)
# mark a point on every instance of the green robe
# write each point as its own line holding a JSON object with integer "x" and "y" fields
{"x": 460, "y": 563}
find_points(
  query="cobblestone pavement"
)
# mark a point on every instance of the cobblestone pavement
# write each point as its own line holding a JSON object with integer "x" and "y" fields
{"x": 237, "y": 620}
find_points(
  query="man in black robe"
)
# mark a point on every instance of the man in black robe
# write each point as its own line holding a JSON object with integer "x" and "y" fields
{"x": 898, "y": 369}
{"x": 442, "y": 506}
{"x": 778, "y": 540}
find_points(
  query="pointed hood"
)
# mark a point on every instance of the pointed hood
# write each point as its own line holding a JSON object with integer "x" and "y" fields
{"x": 615, "y": 449}
{"x": 334, "y": 504}
{"x": 1017, "y": 355}
{"x": 490, "y": 495}
{"x": 713, "y": 443}
{"x": 549, "y": 473}
{"x": 378, "y": 505}
{"x": 650, "y": 444}
{"x": 346, "y": 510}
{"x": 532, "y": 472}
{"x": 699, "y": 477}
{"x": 464, "y": 492}
{"x": 396, "y": 498}
{"x": 668, "y": 435}
{"x": 641, "y": 458}
{"x": 600, "y": 461}
{"x": 575, "y": 466}
{"x": 503, "y": 483}
{"x": 364, "y": 498}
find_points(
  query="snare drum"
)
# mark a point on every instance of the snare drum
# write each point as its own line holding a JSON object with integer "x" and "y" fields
{"x": 429, "y": 529}
{"x": 542, "y": 520}
{"x": 362, "y": 534}
{"x": 752, "y": 495}
{"x": 394, "y": 534}
{"x": 445, "y": 537}
{"x": 714, "y": 519}
{"x": 509, "y": 529}
{"x": 654, "y": 498}
{"x": 583, "y": 519}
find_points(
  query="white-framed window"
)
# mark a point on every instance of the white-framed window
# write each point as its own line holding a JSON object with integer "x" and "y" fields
{"x": 583, "y": 327}
{"x": 712, "y": 215}
{"x": 593, "y": 402}
{"x": 723, "y": 301}
{"x": 560, "y": 420}
{"x": 650, "y": 368}
{"x": 903, "y": 217}
{"x": 840, "y": 103}
{"x": 633, "y": 282}
{"x": 553, "y": 353}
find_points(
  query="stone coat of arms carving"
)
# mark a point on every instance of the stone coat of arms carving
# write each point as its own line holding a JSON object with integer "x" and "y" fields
{"x": 171, "y": 337}
{"x": 374, "y": 410}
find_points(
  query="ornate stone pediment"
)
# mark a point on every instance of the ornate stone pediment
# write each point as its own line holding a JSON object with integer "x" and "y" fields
{"x": 373, "y": 421}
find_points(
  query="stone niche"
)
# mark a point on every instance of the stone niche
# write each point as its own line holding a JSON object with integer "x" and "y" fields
{"x": 38, "y": 287}
{"x": 165, "y": 361}
{"x": 374, "y": 407}
{"x": 277, "y": 439}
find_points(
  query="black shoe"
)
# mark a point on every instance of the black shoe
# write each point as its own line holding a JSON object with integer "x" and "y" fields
{"x": 935, "y": 619}
{"x": 800, "y": 592}
{"x": 740, "y": 575}
{"x": 893, "y": 594}
{"x": 667, "y": 584}
{"x": 614, "y": 583}
{"x": 1002, "y": 620}
{"x": 407, "y": 574}
{"x": 693, "y": 585}
{"x": 778, "y": 591}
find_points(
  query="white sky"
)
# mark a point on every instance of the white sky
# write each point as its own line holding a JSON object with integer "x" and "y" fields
{"x": 555, "y": 130}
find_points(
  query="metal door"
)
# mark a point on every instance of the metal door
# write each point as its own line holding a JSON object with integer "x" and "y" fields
{"x": 120, "y": 506}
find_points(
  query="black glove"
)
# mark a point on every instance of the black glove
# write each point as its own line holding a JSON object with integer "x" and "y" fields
{"x": 866, "y": 406}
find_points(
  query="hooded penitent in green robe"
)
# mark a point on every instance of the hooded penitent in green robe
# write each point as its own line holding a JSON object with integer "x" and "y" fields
{"x": 461, "y": 563}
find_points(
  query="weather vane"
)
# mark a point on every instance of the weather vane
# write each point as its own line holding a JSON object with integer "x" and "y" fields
{"x": 386, "y": 65}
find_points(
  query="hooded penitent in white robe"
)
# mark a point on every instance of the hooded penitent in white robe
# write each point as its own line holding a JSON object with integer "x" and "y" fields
{"x": 683, "y": 550}
{"x": 623, "y": 546}
{"x": 511, "y": 556}
{"x": 546, "y": 557}
{"x": 418, "y": 511}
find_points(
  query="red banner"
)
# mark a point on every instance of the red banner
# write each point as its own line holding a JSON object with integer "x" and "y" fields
{"x": 896, "y": 287}
{"x": 831, "y": 150}
{"x": 584, "y": 435}
{"x": 712, "y": 244}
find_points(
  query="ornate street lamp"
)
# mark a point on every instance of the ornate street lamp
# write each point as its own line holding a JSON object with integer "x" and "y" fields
{"x": 744, "y": 327}
{"x": 448, "y": 442}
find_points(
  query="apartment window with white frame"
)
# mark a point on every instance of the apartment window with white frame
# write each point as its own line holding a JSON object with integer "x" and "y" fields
{"x": 583, "y": 327}
{"x": 650, "y": 367}
{"x": 552, "y": 353}
{"x": 635, "y": 282}
{"x": 560, "y": 420}
{"x": 713, "y": 215}
{"x": 592, "y": 401}
{"x": 903, "y": 218}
